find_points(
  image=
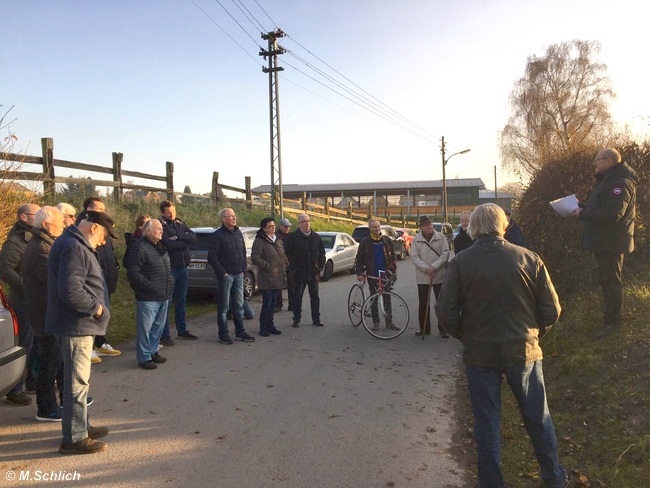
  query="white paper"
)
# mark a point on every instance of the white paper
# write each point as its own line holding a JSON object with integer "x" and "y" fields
{"x": 565, "y": 206}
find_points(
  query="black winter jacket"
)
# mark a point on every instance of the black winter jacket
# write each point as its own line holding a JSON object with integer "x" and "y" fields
{"x": 76, "y": 287}
{"x": 177, "y": 238}
{"x": 498, "y": 299}
{"x": 609, "y": 213}
{"x": 462, "y": 241}
{"x": 306, "y": 255}
{"x": 11, "y": 256}
{"x": 149, "y": 271}
{"x": 514, "y": 234}
{"x": 34, "y": 275}
{"x": 107, "y": 260}
{"x": 227, "y": 253}
{"x": 365, "y": 260}
{"x": 271, "y": 262}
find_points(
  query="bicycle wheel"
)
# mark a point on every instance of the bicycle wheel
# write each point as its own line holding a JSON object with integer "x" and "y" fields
{"x": 355, "y": 301}
{"x": 385, "y": 316}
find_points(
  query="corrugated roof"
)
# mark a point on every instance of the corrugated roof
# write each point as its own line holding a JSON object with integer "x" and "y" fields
{"x": 490, "y": 194}
{"x": 379, "y": 186}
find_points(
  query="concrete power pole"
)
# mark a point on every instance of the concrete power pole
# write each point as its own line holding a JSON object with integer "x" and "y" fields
{"x": 274, "y": 49}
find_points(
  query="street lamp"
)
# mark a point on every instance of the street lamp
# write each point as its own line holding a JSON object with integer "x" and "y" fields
{"x": 444, "y": 178}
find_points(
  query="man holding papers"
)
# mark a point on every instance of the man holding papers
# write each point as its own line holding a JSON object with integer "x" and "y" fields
{"x": 608, "y": 218}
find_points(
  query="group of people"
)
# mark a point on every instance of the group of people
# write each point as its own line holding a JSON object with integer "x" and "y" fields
{"x": 493, "y": 294}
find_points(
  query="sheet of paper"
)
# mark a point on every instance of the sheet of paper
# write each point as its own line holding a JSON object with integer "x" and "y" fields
{"x": 565, "y": 206}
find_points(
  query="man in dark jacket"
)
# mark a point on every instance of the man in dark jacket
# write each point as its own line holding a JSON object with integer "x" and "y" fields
{"x": 149, "y": 271}
{"x": 227, "y": 256}
{"x": 608, "y": 231}
{"x": 306, "y": 254}
{"x": 48, "y": 225}
{"x": 11, "y": 256}
{"x": 177, "y": 238}
{"x": 498, "y": 299}
{"x": 376, "y": 254}
{"x": 77, "y": 310}
{"x": 110, "y": 268}
{"x": 462, "y": 240}
{"x": 514, "y": 234}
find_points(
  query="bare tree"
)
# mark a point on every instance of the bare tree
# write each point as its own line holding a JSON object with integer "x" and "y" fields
{"x": 560, "y": 106}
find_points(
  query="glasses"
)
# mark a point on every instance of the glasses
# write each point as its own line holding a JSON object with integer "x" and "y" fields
{"x": 26, "y": 213}
{"x": 270, "y": 225}
{"x": 600, "y": 159}
{"x": 304, "y": 221}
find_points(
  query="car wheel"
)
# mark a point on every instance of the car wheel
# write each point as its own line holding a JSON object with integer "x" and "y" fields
{"x": 249, "y": 284}
{"x": 327, "y": 272}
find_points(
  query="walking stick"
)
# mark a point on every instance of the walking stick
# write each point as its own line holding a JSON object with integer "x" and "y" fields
{"x": 426, "y": 313}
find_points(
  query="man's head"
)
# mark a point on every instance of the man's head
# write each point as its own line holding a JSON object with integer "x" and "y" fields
{"x": 304, "y": 222}
{"x": 606, "y": 158}
{"x": 69, "y": 213}
{"x": 487, "y": 219}
{"x": 153, "y": 230}
{"x": 375, "y": 227}
{"x": 49, "y": 219}
{"x": 426, "y": 226}
{"x": 228, "y": 218}
{"x": 97, "y": 226}
{"x": 285, "y": 226}
{"x": 26, "y": 213}
{"x": 168, "y": 210}
{"x": 95, "y": 204}
{"x": 268, "y": 226}
{"x": 464, "y": 220}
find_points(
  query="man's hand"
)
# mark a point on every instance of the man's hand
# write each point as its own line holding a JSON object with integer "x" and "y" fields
{"x": 432, "y": 272}
{"x": 360, "y": 278}
{"x": 577, "y": 211}
{"x": 99, "y": 313}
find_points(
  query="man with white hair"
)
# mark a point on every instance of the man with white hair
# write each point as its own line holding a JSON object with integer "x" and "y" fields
{"x": 48, "y": 225}
{"x": 498, "y": 299}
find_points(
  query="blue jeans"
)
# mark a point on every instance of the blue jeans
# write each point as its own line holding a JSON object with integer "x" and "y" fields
{"x": 269, "y": 299}
{"x": 76, "y": 352}
{"x": 230, "y": 294}
{"x": 527, "y": 384}
{"x": 181, "y": 278}
{"x": 150, "y": 320}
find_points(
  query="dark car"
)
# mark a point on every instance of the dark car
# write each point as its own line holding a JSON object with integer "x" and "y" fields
{"x": 201, "y": 274}
{"x": 12, "y": 357}
{"x": 399, "y": 246}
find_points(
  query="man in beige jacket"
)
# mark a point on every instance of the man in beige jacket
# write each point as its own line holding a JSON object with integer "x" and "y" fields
{"x": 429, "y": 254}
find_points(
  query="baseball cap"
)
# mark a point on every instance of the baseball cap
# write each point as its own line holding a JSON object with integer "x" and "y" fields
{"x": 101, "y": 219}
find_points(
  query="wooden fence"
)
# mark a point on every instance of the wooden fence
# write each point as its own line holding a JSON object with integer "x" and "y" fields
{"x": 49, "y": 180}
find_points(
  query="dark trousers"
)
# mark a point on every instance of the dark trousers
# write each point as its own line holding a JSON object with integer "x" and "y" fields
{"x": 610, "y": 267}
{"x": 299, "y": 291}
{"x": 423, "y": 295}
{"x": 290, "y": 293}
{"x": 373, "y": 286}
{"x": 51, "y": 370}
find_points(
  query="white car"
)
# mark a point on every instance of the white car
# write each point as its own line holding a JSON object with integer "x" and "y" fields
{"x": 340, "y": 253}
{"x": 12, "y": 357}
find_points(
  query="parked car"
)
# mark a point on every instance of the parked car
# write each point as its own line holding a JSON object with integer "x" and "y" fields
{"x": 201, "y": 274}
{"x": 407, "y": 235}
{"x": 12, "y": 357}
{"x": 399, "y": 246}
{"x": 447, "y": 230}
{"x": 340, "y": 253}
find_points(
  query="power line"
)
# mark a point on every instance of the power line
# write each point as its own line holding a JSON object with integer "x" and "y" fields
{"x": 274, "y": 24}
{"x": 237, "y": 4}
{"x": 237, "y": 22}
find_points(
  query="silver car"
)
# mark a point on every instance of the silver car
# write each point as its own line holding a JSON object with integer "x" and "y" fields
{"x": 201, "y": 274}
{"x": 12, "y": 357}
{"x": 340, "y": 253}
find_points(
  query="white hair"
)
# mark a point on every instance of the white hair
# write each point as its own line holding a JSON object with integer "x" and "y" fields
{"x": 66, "y": 209}
{"x": 487, "y": 219}
{"x": 45, "y": 214}
{"x": 301, "y": 217}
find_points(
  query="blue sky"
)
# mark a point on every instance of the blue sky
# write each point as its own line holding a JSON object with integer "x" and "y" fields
{"x": 159, "y": 81}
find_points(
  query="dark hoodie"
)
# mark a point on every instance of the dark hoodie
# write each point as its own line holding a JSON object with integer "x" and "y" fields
{"x": 11, "y": 257}
{"x": 609, "y": 213}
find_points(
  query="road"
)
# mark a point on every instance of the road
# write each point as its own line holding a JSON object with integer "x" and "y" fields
{"x": 314, "y": 407}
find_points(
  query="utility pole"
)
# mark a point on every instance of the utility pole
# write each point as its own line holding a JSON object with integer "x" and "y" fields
{"x": 496, "y": 194}
{"x": 277, "y": 201}
{"x": 444, "y": 182}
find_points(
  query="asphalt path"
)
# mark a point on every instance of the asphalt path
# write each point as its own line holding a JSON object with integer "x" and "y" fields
{"x": 315, "y": 407}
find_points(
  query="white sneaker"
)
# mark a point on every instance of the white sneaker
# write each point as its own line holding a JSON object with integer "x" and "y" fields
{"x": 94, "y": 358}
{"x": 160, "y": 346}
{"x": 107, "y": 350}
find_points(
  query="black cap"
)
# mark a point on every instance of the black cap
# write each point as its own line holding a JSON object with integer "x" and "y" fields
{"x": 424, "y": 220}
{"x": 102, "y": 219}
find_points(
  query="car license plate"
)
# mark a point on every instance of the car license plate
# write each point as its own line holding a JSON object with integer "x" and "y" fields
{"x": 197, "y": 266}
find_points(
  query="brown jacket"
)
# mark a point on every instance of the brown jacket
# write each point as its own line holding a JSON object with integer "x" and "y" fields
{"x": 271, "y": 262}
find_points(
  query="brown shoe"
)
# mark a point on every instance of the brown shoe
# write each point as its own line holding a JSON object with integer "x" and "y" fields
{"x": 97, "y": 432}
{"x": 84, "y": 446}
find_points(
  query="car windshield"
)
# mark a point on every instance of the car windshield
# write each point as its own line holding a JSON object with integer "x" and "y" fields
{"x": 360, "y": 232}
{"x": 202, "y": 241}
{"x": 328, "y": 241}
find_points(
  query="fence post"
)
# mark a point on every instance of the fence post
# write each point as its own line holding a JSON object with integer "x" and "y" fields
{"x": 369, "y": 212}
{"x": 402, "y": 217}
{"x": 327, "y": 208}
{"x": 47, "y": 146}
{"x": 117, "y": 176}
{"x": 170, "y": 181}
{"x": 388, "y": 218}
{"x": 215, "y": 187}
{"x": 350, "y": 210}
{"x": 247, "y": 187}
{"x": 304, "y": 201}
